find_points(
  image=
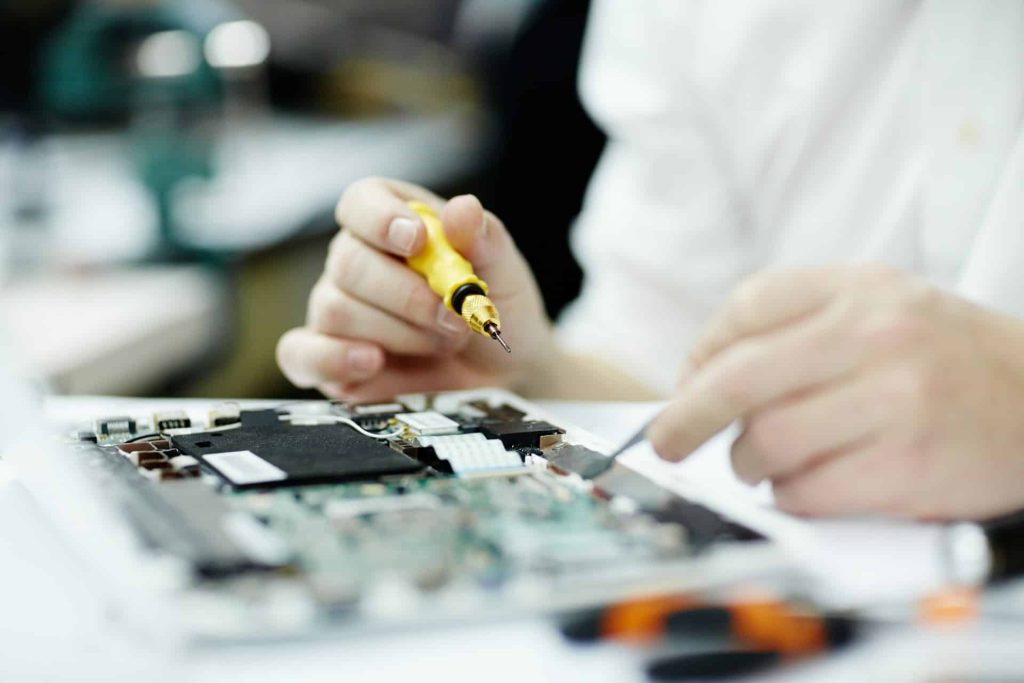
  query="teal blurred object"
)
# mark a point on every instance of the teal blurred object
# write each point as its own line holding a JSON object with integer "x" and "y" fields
{"x": 87, "y": 72}
{"x": 143, "y": 63}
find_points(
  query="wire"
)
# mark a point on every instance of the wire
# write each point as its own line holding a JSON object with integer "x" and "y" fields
{"x": 183, "y": 431}
{"x": 143, "y": 437}
{"x": 335, "y": 419}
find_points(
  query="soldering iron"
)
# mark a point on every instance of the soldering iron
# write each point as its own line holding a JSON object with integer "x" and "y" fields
{"x": 451, "y": 277}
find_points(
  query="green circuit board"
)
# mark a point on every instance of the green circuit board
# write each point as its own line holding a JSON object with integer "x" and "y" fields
{"x": 346, "y": 503}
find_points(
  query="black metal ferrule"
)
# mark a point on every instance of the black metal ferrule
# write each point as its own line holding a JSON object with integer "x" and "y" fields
{"x": 462, "y": 292}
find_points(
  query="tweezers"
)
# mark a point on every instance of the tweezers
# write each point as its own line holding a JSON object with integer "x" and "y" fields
{"x": 632, "y": 441}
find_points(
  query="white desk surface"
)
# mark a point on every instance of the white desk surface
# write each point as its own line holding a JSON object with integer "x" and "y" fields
{"x": 51, "y": 631}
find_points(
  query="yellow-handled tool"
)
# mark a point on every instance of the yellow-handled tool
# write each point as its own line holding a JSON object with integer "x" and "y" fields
{"x": 452, "y": 278}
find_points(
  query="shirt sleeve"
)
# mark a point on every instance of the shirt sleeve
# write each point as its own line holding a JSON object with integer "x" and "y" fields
{"x": 661, "y": 234}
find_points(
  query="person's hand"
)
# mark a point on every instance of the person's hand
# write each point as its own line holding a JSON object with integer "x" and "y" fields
{"x": 374, "y": 328}
{"x": 860, "y": 390}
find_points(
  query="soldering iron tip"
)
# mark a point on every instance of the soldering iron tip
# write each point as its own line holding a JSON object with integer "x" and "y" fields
{"x": 495, "y": 333}
{"x": 497, "y": 337}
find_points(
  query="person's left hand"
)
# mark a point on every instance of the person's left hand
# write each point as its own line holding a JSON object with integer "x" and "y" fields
{"x": 860, "y": 390}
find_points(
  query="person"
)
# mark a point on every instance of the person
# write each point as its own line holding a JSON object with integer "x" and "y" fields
{"x": 853, "y": 174}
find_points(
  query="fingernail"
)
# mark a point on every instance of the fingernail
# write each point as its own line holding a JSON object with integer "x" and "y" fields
{"x": 448, "y": 320}
{"x": 361, "y": 361}
{"x": 402, "y": 235}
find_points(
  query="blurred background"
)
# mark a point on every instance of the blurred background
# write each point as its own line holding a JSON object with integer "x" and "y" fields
{"x": 168, "y": 169}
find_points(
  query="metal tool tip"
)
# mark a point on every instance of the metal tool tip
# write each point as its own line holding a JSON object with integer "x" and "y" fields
{"x": 495, "y": 333}
{"x": 497, "y": 337}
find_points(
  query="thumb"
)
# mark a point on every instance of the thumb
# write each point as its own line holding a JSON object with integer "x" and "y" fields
{"x": 482, "y": 238}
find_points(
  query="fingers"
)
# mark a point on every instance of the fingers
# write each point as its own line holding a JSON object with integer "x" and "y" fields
{"x": 765, "y": 302}
{"x": 748, "y": 375}
{"x": 406, "y": 374}
{"x": 375, "y": 210}
{"x": 784, "y": 438}
{"x": 367, "y": 275}
{"x": 338, "y": 314}
{"x": 310, "y": 359}
{"x": 863, "y": 479}
{"x": 482, "y": 238}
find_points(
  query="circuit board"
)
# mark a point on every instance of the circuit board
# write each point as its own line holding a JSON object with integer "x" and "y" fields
{"x": 393, "y": 511}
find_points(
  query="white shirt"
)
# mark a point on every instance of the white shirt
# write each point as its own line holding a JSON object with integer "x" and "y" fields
{"x": 753, "y": 135}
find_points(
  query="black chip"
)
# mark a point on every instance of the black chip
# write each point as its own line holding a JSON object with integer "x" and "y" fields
{"x": 260, "y": 418}
{"x": 313, "y": 454}
{"x": 703, "y": 524}
{"x": 502, "y": 413}
{"x": 87, "y": 436}
{"x": 518, "y": 434}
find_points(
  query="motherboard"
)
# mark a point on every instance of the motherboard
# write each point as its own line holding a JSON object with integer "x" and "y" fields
{"x": 396, "y": 512}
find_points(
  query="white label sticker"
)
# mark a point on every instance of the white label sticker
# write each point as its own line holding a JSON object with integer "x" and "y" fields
{"x": 244, "y": 467}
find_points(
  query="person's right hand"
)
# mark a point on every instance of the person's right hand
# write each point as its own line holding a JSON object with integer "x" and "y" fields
{"x": 375, "y": 329}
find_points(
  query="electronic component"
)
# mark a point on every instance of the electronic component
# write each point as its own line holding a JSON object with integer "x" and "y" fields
{"x": 346, "y": 508}
{"x": 376, "y": 409}
{"x": 263, "y": 451}
{"x": 176, "y": 419}
{"x": 115, "y": 425}
{"x": 372, "y": 416}
{"x": 470, "y": 454}
{"x": 499, "y": 413}
{"x": 428, "y": 423}
{"x": 390, "y": 505}
{"x": 225, "y": 414}
{"x": 579, "y": 459}
{"x": 86, "y": 435}
{"x": 187, "y": 519}
{"x": 156, "y": 460}
{"x": 518, "y": 434}
{"x": 703, "y": 525}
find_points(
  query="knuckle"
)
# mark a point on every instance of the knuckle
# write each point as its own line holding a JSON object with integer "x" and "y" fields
{"x": 747, "y": 298}
{"x": 288, "y": 353}
{"x": 332, "y": 367}
{"x": 496, "y": 227}
{"x": 919, "y": 296}
{"x": 737, "y": 389}
{"x": 353, "y": 199}
{"x": 335, "y": 244}
{"x": 333, "y": 313}
{"x": 358, "y": 189}
{"x": 916, "y": 459}
{"x": 909, "y": 386}
{"x": 347, "y": 266}
{"x": 349, "y": 197}
{"x": 735, "y": 392}
{"x": 315, "y": 304}
{"x": 893, "y": 331}
{"x": 766, "y": 436}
